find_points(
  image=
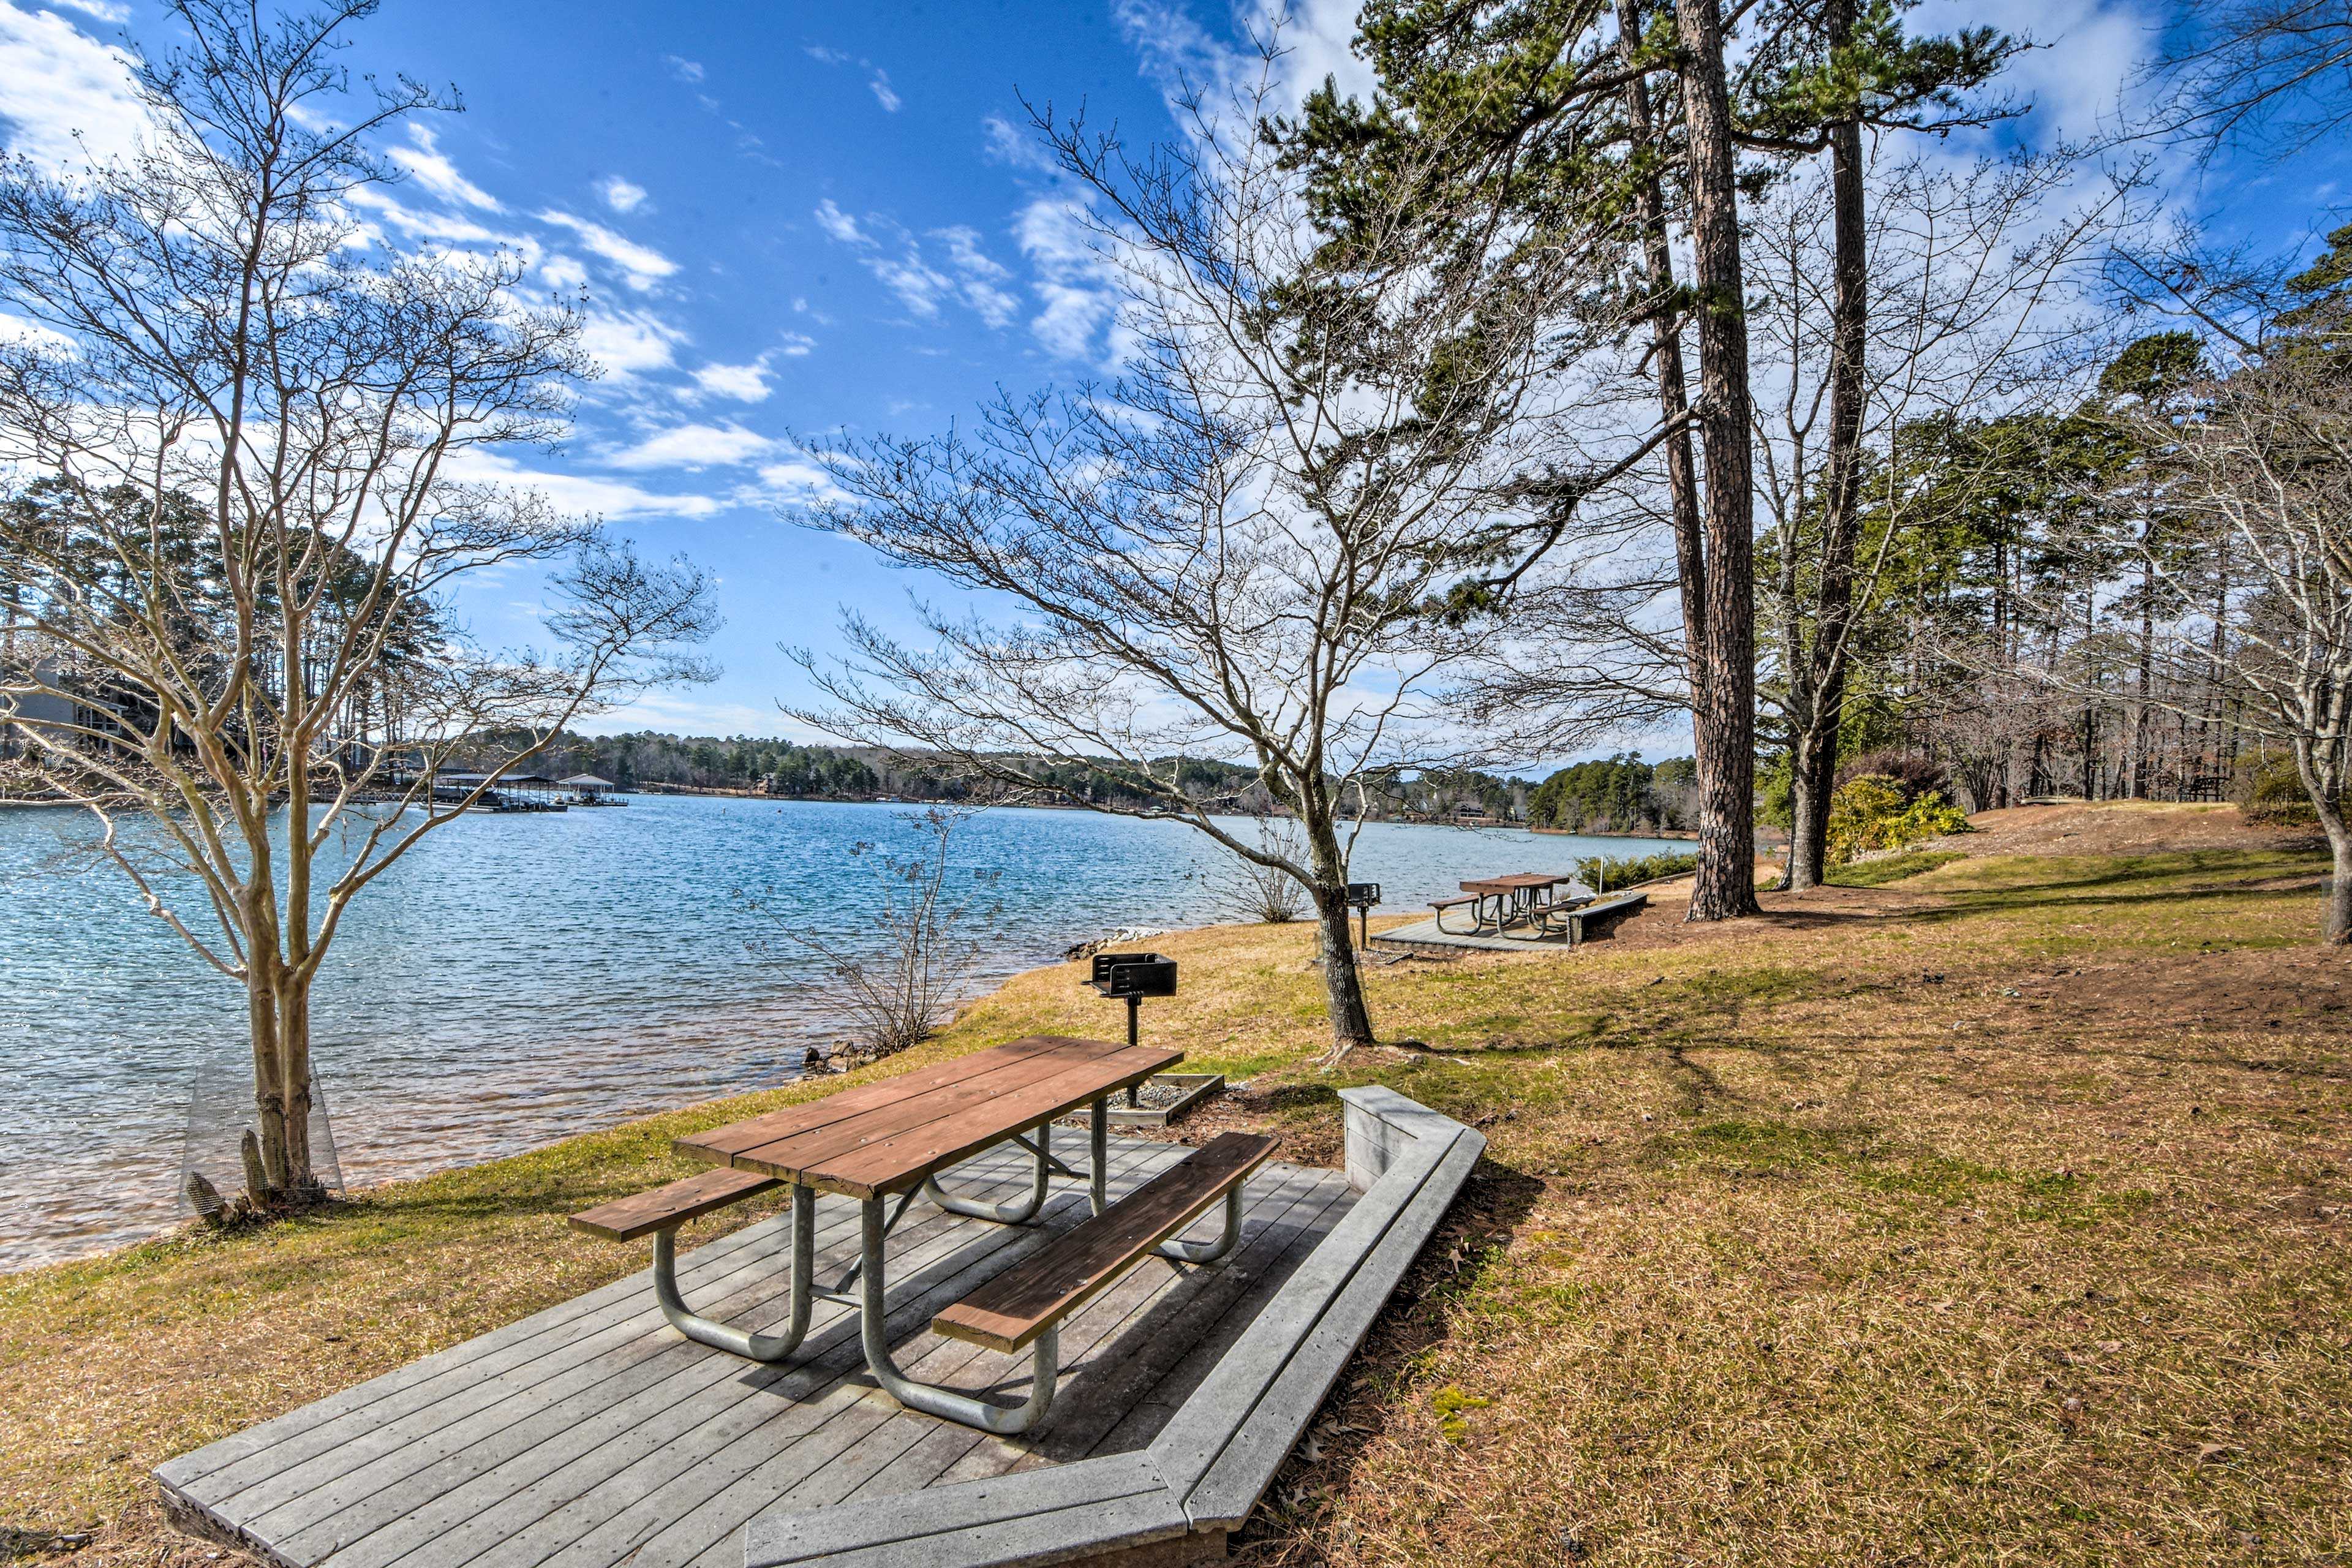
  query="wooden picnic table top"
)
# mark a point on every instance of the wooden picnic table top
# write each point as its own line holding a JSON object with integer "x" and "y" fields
{"x": 1516, "y": 882}
{"x": 887, "y": 1137}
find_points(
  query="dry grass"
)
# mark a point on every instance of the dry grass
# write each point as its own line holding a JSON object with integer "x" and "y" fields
{"x": 1999, "y": 1212}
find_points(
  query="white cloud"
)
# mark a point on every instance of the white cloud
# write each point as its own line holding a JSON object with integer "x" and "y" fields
{"x": 563, "y": 272}
{"x": 578, "y": 493}
{"x": 743, "y": 382}
{"x": 1080, "y": 296}
{"x": 17, "y": 330}
{"x": 882, "y": 93}
{"x": 829, "y": 56}
{"x": 920, "y": 286}
{"x": 839, "y": 223}
{"x": 449, "y": 229}
{"x": 683, "y": 69}
{"x": 620, "y": 195}
{"x": 102, "y": 9}
{"x": 794, "y": 478}
{"x": 58, "y": 84}
{"x": 695, "y": 447}
{"x": 431, "y": 167}
{"x": 1008, "y": 144}
{"x": 796, "y": 345}
{"x": 978, "y": 276}
{"x": 964, "y": 249}
{"x": 641, "y": 265}
{"x": 629, "y": 343}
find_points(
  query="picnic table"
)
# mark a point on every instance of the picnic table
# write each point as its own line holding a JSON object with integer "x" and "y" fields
{"x": 891, "y": 1140}
{"x": 1514, "y": 898}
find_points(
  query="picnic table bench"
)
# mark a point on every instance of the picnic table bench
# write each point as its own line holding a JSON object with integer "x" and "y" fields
{"x": 892, "y": 1139}
{"x": 1574, "y": 919}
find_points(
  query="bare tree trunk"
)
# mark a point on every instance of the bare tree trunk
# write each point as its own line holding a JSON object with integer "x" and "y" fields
{"x": 2143, "y": 716}
{"x": 2335, "y": 910}
{"x": 261, "y": 992}
{"x": 2322, "y": 781}
{"x": 1343, "y": 986}
{"x": 1725, "y": 713}
{"x": 294, "y": 1078}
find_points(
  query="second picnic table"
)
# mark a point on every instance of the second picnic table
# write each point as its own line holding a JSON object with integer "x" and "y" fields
{"x": 1513, "y": 896}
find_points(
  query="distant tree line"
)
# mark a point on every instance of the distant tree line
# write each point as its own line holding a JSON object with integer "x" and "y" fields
{"x": 1619, "y": 794}
{"x": 767, "y": 765}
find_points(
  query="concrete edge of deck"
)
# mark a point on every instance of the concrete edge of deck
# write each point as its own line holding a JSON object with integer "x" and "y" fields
{"x": 1176, "y": 1501}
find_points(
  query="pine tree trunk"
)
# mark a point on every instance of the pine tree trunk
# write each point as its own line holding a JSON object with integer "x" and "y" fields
{"x": 1816, "y": 758}
{"x": 1674, "y": 386}
{"x": 1724, "y": 715}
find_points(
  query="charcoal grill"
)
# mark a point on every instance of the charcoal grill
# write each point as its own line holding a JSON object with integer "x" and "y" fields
{"x": 1130, "y": 977}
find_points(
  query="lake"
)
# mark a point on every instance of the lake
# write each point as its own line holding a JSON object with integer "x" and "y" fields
{"x": 517, "y": 978}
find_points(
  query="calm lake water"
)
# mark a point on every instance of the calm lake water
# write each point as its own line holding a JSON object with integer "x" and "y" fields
{"x": 517, "y": 978}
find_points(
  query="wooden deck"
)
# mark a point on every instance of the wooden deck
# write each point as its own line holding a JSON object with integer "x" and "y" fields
{"x": 594, "y": 1433}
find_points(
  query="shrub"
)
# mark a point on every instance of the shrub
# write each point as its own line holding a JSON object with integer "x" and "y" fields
{"x": 1871, "y": 813}
{"x": 1911, "y": 773}
{"x": 2275, "y": 793}
{"x": 1252, "y": 894}
{"x": 1603, "y": 872}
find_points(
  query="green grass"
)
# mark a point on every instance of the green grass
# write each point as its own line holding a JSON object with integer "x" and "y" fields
{"x": 1894, "y": 868}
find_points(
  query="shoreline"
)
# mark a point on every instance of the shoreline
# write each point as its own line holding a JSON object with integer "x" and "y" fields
{"x": 1678, "y": 834}
{"x": 819, "y": 1040}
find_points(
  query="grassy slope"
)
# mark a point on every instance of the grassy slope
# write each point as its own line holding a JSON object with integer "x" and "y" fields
{"x": 1785, "y": 1253}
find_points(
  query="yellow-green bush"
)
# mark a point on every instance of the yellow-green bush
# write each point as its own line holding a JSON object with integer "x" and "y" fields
{"x": 1869, "y": 812}
{"x": 2274, "y": 793}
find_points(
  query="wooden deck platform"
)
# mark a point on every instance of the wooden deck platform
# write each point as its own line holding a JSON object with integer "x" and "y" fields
{"x": 594, "y": 1433}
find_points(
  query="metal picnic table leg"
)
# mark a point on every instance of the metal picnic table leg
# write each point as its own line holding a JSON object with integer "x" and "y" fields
{"x": 1003, "y": 1214}
{"x": 1099, "y": 1145}
{"x": 739, "y": 1342}
{"x": 1045, "y": 1364}
{"x": 1209, "y": 1251}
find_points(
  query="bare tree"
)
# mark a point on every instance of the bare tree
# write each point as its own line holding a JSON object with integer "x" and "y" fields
{"x": 2266, "y": 465}
{"x": 234, "y": 532}
{"x": 2251, "y": 72}
{"x": 1233, "y": 548}
{"x": 1259, "y": 891}
{"x": 907, "y": 964}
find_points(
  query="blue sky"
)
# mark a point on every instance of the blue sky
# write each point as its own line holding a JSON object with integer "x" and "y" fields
{"x": 805, "y": 219}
